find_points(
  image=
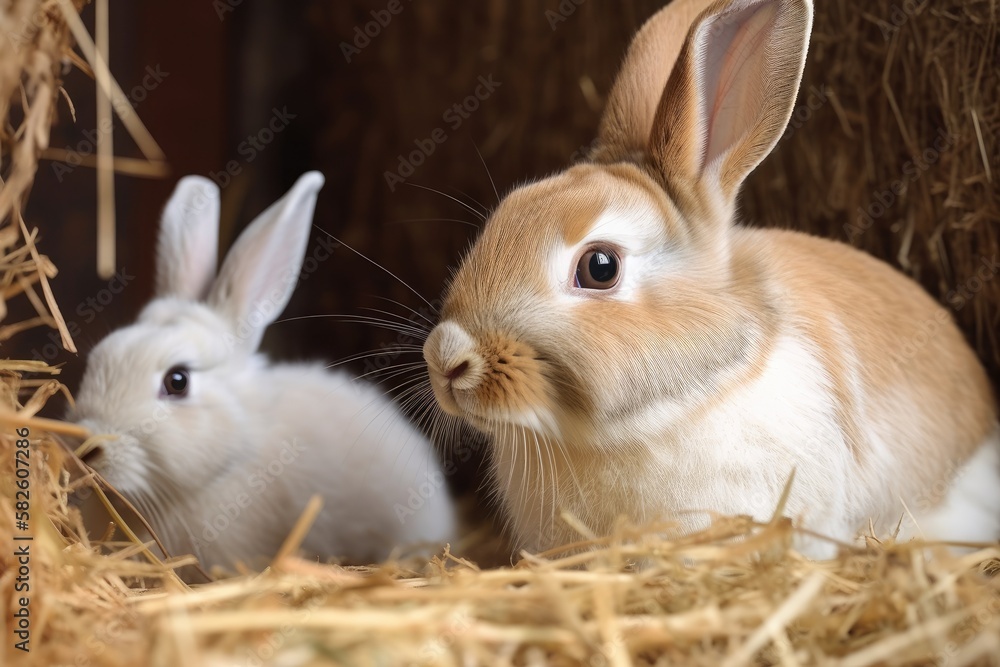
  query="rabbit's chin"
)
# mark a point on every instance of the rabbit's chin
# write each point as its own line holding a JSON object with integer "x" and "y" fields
{"x": 542, "y": 425}
{"x": 495, "y": 420}
{"x": 131, "y": 472}
{"x": 121, "y": 456}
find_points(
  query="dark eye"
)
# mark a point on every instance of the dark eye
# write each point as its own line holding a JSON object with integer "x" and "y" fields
{"x": 176, "y": 381}
{"x": 599, "y": 268}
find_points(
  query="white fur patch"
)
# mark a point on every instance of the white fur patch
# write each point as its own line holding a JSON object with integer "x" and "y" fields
{"x": 640, "y": 233}
{"x": 736, "y": 459}
{"x": 784, "y": 421}
{"x": 970, "y": 511}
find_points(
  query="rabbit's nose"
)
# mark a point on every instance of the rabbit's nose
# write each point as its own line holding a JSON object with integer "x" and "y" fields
{"x": 452, "y": 358}
{"x": 458, "y": 371}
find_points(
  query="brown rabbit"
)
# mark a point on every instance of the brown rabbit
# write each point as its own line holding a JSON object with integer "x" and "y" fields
{"x": 633, "y": 351}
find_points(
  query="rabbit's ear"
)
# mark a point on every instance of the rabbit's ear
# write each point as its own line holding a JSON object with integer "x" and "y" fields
{"x": 262, "y": 268}
{"x": 731, "y": 93}
{"x": 188, "y": 245}
{"x": 628, "y": 117}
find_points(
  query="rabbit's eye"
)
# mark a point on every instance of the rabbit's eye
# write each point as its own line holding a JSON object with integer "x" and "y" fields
{"x": 176, "y": 381}
{"x": 598, "y": 269}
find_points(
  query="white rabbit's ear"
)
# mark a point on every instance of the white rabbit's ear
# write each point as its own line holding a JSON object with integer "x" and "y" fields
{"x": 731, "y": 93}
{"x": 262, "y": 268}
{"x": 628, "y": 117}
{"x": 188, "y": 246}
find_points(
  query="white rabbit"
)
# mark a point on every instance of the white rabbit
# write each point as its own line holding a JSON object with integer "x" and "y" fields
{"x": 222, "y": 450}
{"x": 633, "y": 351}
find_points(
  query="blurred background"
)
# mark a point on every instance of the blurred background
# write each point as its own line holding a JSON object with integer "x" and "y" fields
{"x": 252, "y": 94}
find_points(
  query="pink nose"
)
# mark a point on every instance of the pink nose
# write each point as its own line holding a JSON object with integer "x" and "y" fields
{"x": 458, "y": 371}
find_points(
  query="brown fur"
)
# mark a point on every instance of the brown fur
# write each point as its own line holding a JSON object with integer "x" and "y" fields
{"x": 632, "y": 103}
{"x": 881, "y": 310}
{"x": 570, "y": 375}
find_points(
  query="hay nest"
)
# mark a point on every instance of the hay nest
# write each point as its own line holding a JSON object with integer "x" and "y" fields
{"x": 733, "y": 594}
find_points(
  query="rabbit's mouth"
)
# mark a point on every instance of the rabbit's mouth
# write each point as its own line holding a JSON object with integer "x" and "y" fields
{"x": 489, "y": 379}
{"x": 107, "y": 452}
{"x": 454, "y": 367}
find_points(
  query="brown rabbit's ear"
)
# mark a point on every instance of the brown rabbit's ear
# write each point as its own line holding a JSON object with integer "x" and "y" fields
{"x": 635, "y": 95}
{"x": 731, "y": 93}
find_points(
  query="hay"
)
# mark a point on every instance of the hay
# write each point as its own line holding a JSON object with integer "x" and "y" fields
{"x": 33, "y": 46}
{"x": 702, "y": 600}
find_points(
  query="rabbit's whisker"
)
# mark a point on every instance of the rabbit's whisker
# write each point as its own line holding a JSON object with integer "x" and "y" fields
{"x": 402, "y": 222}
{"x": 406, "y": 321}
{"x": 572, "y": 473}
{"x": 380, "y": 323}
{"x": 396, "y": 369}
{"x": 412, "y": 375}
{"x": 485, "y": 209}
{"x": 395, "y": 349}
{"x": 376, "y": 264}
{"x": 405, "y": 307}
{"x": 428, "y": 414}
{"x": 477, "y": 213}
{"x": 488, "y": 174}
{"x": 550, "y": 456}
